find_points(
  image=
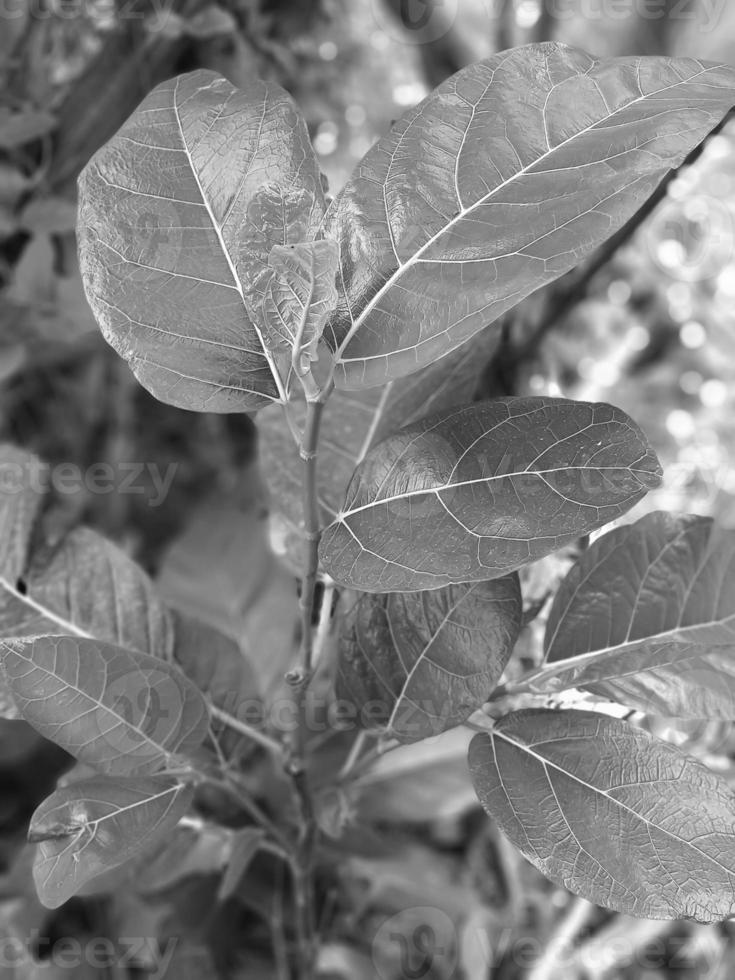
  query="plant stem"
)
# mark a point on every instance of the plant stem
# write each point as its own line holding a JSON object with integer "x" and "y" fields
{"x": 351, "y": 761}
{"x": 557, "y": 949}
{"x": 247, "y": 730}
{"x": 325, "y": 621}
{"x": 312, "y": 533}
{"x": 299, "y": 679}
{"x": 230, "y": 785}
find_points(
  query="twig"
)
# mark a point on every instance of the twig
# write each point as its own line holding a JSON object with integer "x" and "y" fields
{"x": 547, "y": 968}
{"x": 376, "y": 753}
{"x": 247, "y": 730}
{"x": 312, "y": 533}
{"x": 352, "y": 756}
{"x": 230, "y": 785}
{"x": 278, "y": 937}
{"x": 325, "y": 621}
{"x": 614, "y": 947}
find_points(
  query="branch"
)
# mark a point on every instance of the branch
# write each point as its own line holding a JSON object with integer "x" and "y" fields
{"x": 557, "y": 950}
{"x": 312, "y": 533}
{"x": 244, "y": 729}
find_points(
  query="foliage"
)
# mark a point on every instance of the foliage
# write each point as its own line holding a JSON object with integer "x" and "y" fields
{"x": 215, "y": 267}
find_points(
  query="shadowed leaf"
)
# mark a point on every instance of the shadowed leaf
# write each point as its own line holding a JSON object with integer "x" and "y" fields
{"x": 244, "y": 848}
{"x": 428, "y": 659}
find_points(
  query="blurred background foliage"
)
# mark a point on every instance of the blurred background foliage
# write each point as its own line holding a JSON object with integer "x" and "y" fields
{"x": 652, "y": 331}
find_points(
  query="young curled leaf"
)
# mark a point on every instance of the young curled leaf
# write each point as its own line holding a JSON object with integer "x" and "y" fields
{"x": 424, "y": 661}
{"x": 94, "y": 825}
{"x": 475, "y": 493}
{"x": 300, "y": 296}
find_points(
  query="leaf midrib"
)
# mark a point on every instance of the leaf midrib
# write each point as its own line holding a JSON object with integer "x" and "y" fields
{"x": 485, "y": 479}
{"x": 225, "y": 251}
{"x": 672, "y": 633}
{"x": 43, "y": 611}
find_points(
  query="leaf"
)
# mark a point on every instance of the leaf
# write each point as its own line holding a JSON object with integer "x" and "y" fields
{"x": 92, "y": 826}
{"x": 189, "y": 850}
{"x": 424, "y": 661}
{"x": 300, "y": 295}
{"x": 245, "y": 847}
{"x": 503, "y": 179}
{"x": 477, "y": 492}
{"x": 175, "y": 234}
{"x": 219, "y": 669}
{"x": 419, "y": 782}
{"x": 610, "y": 813}
{"x": 223, "y": 571}
{"x": 22, "y": 478}
{"x": 19, "y": 128}
{"x": 215, "y": 664}
{"x": 354, "y": 422}
{"x": 90, "y": 587}
{"x": 647, "y": 617}
{"x": 87, "y": 587}
{"x": 83, "y": 587}
{"x": 122, "y": 712}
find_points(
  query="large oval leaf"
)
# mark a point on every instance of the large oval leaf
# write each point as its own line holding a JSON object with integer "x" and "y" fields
{"x": 95, "y": 825}
{"x": 647, "y": 617}
{"x": 424, "y": 661}
{"x": 476, "y": 493}
{"x": 87, "y": 587}
{"x": 119, "y": 711}
{"x": 500, "y": 181}
{"x": 611, "y": 813}
{"x": 83, "y": 585}
{"x": 20, "y": 503}
{"x": 352, "y": 423}
{"x": 178, "y": 214}
{"x": 89, "y": 583}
